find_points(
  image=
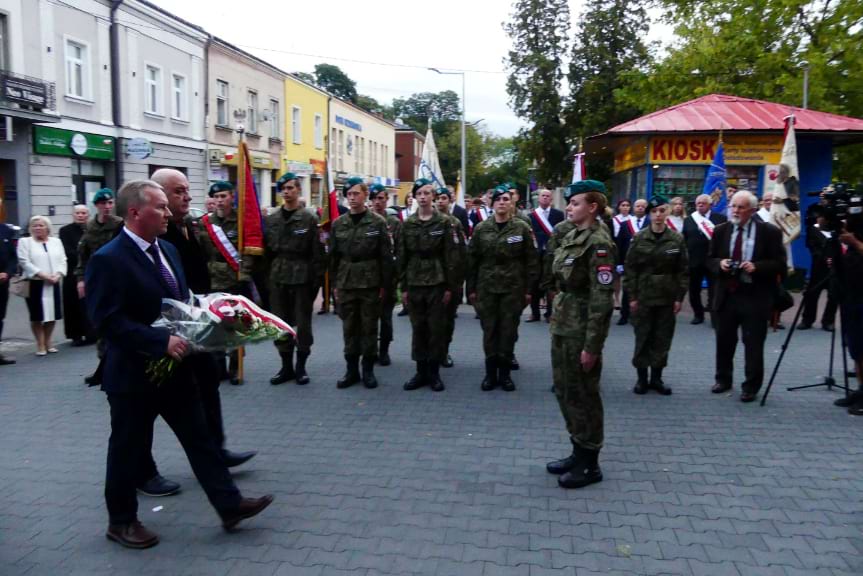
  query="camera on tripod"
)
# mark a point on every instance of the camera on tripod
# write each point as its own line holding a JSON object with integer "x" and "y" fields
{"x": 839, "y": 203}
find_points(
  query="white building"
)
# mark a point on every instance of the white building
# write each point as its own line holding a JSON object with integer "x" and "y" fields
{"x": 361, "y": 144}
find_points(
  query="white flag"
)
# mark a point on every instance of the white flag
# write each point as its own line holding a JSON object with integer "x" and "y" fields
{"x": 578, "y": 168}
{"x": 787, "y": 221}
{"x": 429, "y": 163}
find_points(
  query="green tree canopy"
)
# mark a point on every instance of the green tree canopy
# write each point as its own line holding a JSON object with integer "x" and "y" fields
{"x": 417, "y": 109}
{"x": 332, "y": 79}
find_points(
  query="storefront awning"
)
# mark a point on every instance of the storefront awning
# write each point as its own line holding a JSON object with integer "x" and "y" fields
{"x": 29, "y": 115}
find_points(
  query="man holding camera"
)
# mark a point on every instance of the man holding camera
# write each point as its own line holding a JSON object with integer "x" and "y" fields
{"x": 747, "y": 258}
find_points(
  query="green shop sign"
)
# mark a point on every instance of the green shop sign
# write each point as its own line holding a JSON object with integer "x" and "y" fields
{"x": 57, "y": 142}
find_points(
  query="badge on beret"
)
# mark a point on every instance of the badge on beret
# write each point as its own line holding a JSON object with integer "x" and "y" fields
{"x": 604, "y": 274}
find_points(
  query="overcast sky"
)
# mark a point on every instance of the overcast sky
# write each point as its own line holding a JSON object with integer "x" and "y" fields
{"x": 407, "y": 35}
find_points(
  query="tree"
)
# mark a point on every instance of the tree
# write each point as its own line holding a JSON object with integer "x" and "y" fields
{"x": 416, "y": 110}
{"x": 306, "y": 77}
{"x": 538, "y": 29}
{"x": 606, "y": 48}
{"x": 332, "y": 79}
{"x": 372, "y": 105}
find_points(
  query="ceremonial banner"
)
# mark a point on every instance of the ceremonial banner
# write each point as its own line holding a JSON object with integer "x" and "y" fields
{"x": 579, "y": 172}
{"x": 782, "y": 216}
{"x": 714, "y": 184}
{"x": 251, "y": 226}
{"x": 429, "y": 164}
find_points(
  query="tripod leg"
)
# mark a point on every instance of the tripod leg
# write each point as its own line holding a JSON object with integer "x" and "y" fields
{"x": 784, "y": 349}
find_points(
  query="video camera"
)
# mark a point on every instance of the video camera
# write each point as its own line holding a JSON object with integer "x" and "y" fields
{"x": 840, "y": 203}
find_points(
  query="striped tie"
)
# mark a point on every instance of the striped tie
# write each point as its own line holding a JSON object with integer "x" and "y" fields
{"x": 165, "y": 274}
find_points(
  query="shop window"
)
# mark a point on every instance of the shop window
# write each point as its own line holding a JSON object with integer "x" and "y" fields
{"x": 319, "y": 132}
{"x": 685, "y": 181}
{"x": 222, "y": 103}
{"x": 178, "y": 99}
{"x": 744, "y": 177}
{"x": 153, "y": 89}
{"x": 296, "y": 125}
{"x": 77, "y": 69}
{"x": 252, "y": 114}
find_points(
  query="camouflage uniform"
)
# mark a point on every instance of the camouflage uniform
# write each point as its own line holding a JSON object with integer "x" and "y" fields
{"x": 557, "y": 235}
{"x": 394, "y": 226}
{"x": 361, "y": 262}
{"x": 95, "y": 236}
{"x": 457, "y": 295}
{"x": 297, "y": 262}
{"x": 657, "y": 276}
{"x": 583, "y": 270}
{"x": 428, "y": 260}
{"x": 503, "y": 268}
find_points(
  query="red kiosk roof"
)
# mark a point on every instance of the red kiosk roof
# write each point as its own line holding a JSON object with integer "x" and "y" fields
{"x": 716, "y": 112}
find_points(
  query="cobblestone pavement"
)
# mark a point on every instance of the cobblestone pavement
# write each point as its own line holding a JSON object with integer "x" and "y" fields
{"x": 392, "y": 482}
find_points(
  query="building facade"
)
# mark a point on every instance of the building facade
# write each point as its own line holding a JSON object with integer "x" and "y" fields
{"x": 361, "y": 144}
{"x": 306, "y": 129}
{"x": 409, "y": 149}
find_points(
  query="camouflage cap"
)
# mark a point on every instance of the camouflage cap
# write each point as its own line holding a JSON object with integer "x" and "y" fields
{"x": 286, "y": 177}
{"x": 419, "y": 183}
{"x": 220, "y": 186}
{"x": 582, "y": 187}
{"x": 103, "y": 195}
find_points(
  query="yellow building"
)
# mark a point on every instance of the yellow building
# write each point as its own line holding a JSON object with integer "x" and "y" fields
{"x": 306, "y": 127}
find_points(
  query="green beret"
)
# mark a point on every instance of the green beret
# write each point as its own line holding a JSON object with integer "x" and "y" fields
{"x": 220, "y": 186}
{"x": 350, "y": 183}
{"x": 510, "y": 186}
{"x": 499, "y": 191}
{"x": 419, "y": 183}
{"x": 286, "y": 177}
{"x": 656, "y": 201}
{"x": 376, "y": 189}
{"x": 102, "y": 195}
{"x": 442, "y": 192}
{"x": 582, "y": 187}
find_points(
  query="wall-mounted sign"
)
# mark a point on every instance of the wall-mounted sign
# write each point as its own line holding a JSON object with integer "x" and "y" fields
{"x": 739, "y": 149}
{"x": 58, "y": 142}
{"x": 139, "y": 148}
{"x": 348, "y": 123}
{"x": 23, "y": 91}
{"x": 259, "y": 162}
{"x": 299, "y": 167}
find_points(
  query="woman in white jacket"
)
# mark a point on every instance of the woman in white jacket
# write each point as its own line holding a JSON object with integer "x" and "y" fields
{"x": 43, "y": 261}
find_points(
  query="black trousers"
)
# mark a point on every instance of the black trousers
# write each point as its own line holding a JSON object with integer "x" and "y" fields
{"x": 750, "y": 315}
{"x": 4, "y": 301}
{"x": 132, "y": 416}
{"x": 810, "y": 302}
{"x": 696, "y": 275}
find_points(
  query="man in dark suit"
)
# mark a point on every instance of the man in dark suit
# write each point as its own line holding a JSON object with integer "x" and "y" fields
{"x": 458, "y": 211}
{"x": 8, "y": 265}
{"x": 125, "y": 282}
{"x": 698, "y": 229}
{"x": 543, "y": 219}
{"x": 747, "y": 259}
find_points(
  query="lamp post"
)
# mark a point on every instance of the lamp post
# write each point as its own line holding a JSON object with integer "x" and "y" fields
{"x": 463, "y": 138}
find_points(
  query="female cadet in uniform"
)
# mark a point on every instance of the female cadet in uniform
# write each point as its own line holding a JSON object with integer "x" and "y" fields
{"x": 657, "y": 279}
{"x": 503, "y": 268}
{"x": 583, "y": 271}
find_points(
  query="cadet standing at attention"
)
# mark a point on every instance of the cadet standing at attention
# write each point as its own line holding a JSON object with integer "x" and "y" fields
{"x": 583, "y": 270}
{"x": 361, "y": 262}
{"x": 656, "y": 279}
{"x": 380, "y": 197}
{"x": 296, "y": 263}
{"x": 503, "y": 268}
{"x": 444, "y": 206}
{"x": 427, "y": 257}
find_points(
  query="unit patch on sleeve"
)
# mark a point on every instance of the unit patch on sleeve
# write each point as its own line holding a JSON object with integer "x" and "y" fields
{"x": 604, "y": 274}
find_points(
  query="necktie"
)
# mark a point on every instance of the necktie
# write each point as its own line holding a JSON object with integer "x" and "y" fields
{"x": 168, "y": 280}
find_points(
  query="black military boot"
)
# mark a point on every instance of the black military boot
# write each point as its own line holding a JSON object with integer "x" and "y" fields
{"x": 286, "y": 372}
{"x": 95, "y": 379}
{"x": 563, "y": 465}
{"x": 369, "y": 380}
{"x": 656, "y": 382}
{"x": 584, "y": 472}
{"x": 503, "y": 369}
{"x": 490, "y": 380}
{"x": 300, "y": 371}
{"x": 419, "y": 379}
{"x": 435, "y": 383}
{"x": 513, "y": 363}
{"x": 641, "y": 386}
{"x": 384, "y": 355}
{"x": 352, "y": 373}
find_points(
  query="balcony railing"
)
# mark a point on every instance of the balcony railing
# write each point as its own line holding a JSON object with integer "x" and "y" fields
{"x": 26, "y": 92}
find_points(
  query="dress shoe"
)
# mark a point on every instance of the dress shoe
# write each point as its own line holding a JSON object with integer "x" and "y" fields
{"x": 447, "y": 363}
{"x": 584, "y": 472}
{"x": 513, "y": 364}
{"x": 720, "y": 388}
{"x": 804, "y": 326}
{"x": 622, "y": 321}
{"x": 159, "y": 486}
{"x": 852, "y": 399}
{"x": 233, "y": 459}
{"x": 828, "y": 327}
{"x": 697, "y": 320}
{"x": 6, "y": 361}
{"x": 856, "y": 409}
{"x": 248, "y": 507}
{"x": 533, "y": 319}
{"x": 132, "y": 535}
{"x": 748, "y": 396}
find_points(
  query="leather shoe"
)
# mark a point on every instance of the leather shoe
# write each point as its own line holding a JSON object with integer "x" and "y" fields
{"x": 852, "y": 399}
{"x": 748, "y": 396}
{"x": 93, "y": 380}
{"x": 622, "y": 321}
{"x": 132, "y": 535}
{"x": 514, "y": 365}
{"x": 159, "y": 486}
{"x": 248, "y": 507}
{"x": 828, "y": 327}
{"x": 804, "y": 326}
{"x": 447, "y": 363}
{"x": 5, "y": 361}
{"x": 232, "y": 459}
{"x": 696, "y": 321}
{"x": 720, "y": 388}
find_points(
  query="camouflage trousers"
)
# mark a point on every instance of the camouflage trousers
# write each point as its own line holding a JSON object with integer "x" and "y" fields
{"x": 577, "y": 392}
{"x": 360, "y": 310}
{"x": 451, "y": 313}
{"x": 293, "y": 304}
{"x": 387, "y": 306}
{"x": 428, "y": 320}
{"x": 499, "y": 315}
{"x": 654, "y": 330}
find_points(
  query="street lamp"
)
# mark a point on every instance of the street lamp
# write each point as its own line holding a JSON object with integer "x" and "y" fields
{"x": 463, "y": 138}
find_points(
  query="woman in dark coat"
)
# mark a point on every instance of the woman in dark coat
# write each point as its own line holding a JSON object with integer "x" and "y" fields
{"x": 75, "y": 322}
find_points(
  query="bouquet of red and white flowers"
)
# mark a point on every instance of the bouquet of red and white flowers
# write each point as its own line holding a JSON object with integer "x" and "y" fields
{"x": 215, "y": 322}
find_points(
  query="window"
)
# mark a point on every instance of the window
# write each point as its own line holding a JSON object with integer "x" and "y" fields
{"x": 221, "y": 103}
{"x": 319, "y": 132}
{"x": 4, "y": 46}
{"x": 77, "y": 64}
{"x": 178, "y": 99}
{"x": 296, "y": 126}
{"x": 152, "y": 89}
{"x": 275, "y": 122}
{"x": 342, "y": 150}
{"x": 252, "y": 114}
{"x": 333, "y": 152}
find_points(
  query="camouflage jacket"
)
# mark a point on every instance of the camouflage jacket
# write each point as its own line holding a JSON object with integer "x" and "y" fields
{"x": 583, "y": 270}
{"x": 222, "y": 276}
{"x": 394, "y": 226}
{"x": 657, "y": 268}
{"x": 293, "y": 248}
{"x": 361, "y": 255}
{"x": 428, "y": 253}
{"x": 95, "y": 236}
{"x": 557, "y": 235}
{"x": 502, "y": 260}
{"x": 461, "y": 252}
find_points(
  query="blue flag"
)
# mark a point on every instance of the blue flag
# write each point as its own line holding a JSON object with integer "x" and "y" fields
{"x": 714, "y": 184}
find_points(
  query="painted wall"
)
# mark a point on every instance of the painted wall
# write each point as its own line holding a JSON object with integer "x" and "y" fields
{"x": 311, "y": 102}
{"x": 365, "y": 144}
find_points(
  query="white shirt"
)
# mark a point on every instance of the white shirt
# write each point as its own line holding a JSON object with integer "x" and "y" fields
{"x": 144, "y": 246}
{"x": 748, "y": 246}
{"x": 639, "y": 222}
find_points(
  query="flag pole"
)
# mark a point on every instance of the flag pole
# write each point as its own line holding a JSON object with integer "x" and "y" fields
{"x": 241, "y": 205}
